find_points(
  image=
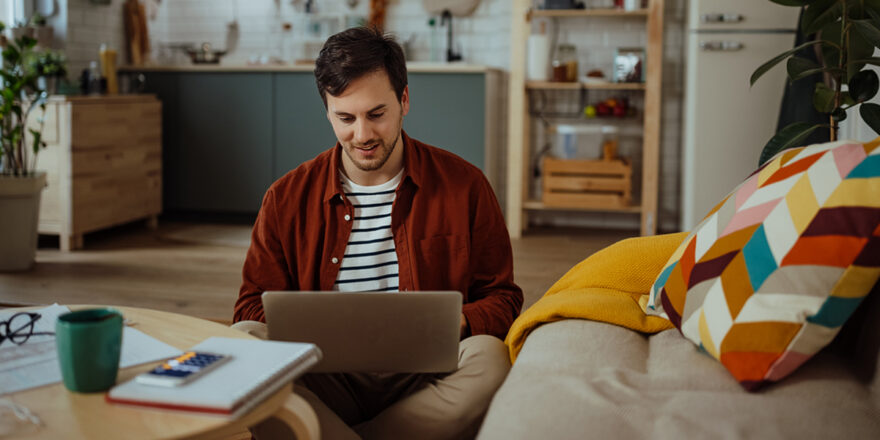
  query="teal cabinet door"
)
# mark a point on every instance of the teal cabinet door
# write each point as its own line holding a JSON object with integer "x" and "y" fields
{"x": 448, "y": 110}
{"x": 228, "y": 136}
{"x": 225, "y": 140}
{"x": 217, "y": 139}
{"x": 302, "y": 130}
{"x": 164, "y": 86}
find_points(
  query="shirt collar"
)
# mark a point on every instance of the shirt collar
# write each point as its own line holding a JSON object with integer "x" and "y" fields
{"x": 411, "y": 170}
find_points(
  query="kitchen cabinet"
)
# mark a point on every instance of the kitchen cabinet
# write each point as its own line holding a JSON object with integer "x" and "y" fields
{"x": 448, "y": 110}
{"x": 302, "y": 130}
{"x": 230, "y": 132}
{"x": 103, "y": 161}
{"x": 520, "y": 152}
{"x": 217, "y": 140}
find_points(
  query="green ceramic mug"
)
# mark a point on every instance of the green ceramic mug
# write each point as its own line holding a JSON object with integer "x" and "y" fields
{"x": 89, "y": 343}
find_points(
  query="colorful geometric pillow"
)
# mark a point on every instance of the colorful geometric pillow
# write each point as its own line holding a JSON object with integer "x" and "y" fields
{"x": 771, "y": 274}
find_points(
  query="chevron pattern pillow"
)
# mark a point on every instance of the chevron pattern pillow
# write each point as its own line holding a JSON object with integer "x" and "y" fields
{"x": 767, "y": 279}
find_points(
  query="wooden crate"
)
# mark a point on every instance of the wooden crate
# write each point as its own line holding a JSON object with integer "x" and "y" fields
{"x": 587, "y": 183}
{"x": 104, "y": 164}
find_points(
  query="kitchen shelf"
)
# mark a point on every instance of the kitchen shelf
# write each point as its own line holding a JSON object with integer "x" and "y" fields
{"x": 549, "y": 85}
{"x": 537, "y": 205}
{"x": 562, "y": 13}
{"x": 520, "y": 158}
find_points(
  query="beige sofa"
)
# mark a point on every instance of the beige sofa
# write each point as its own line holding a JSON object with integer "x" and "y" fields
{"x": 579, "y": 379}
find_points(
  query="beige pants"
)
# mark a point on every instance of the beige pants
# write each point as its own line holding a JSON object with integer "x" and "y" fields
{"x": 398, "y": 406}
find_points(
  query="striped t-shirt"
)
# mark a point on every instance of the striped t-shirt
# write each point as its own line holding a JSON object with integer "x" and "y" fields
{"x": 370, "y": 261}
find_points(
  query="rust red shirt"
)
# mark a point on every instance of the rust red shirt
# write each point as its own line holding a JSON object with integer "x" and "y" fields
{"x": 448, "y": 231}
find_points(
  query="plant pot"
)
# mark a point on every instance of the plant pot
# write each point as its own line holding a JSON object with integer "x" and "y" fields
{"x": 45, "y": 35}
{"x": 20, "y": 205}
{"x": 48, "y": 83}
{"x": 20, "y": 31}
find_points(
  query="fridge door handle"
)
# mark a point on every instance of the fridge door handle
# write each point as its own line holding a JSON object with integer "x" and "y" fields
{"x": 720, "y": 17}
{"x": 721, "y": 46}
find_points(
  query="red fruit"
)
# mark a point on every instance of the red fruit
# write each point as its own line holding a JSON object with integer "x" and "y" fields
{"x": 619, "y": 112}
{"x": 603, "y": 109}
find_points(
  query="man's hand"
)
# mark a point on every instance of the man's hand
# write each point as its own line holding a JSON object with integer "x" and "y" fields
{"x": 464, "y": 326}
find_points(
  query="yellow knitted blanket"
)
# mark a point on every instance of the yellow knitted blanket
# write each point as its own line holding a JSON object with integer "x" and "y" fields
{"x": 607, "y": 287}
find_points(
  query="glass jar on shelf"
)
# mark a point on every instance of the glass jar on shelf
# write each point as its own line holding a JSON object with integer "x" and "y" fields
{"x": 609, "y": 142}
{"x": 565, "y": 64}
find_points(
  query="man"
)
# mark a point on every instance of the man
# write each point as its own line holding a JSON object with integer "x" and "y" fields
{"x": 382, "y": 211}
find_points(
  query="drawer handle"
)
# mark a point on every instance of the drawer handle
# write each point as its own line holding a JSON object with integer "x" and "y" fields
{"x": 722, "y": 18}
{"x": 721, "y": 46}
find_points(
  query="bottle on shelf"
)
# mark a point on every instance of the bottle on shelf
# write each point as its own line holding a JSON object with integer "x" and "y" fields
{"x": 565, "y": 64}
{"x": 609, "y": 143}
{"x": 90, "y": 81}
{"x": 108, "y": 68}
{"x": 539, "y": 55}
{"x": 435, "y": 42}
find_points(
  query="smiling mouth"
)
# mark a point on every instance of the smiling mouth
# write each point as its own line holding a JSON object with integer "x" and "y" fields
{"x": 370, "y": 148}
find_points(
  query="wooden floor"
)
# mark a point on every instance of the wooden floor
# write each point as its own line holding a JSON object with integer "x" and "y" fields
{"x": 195, "y": 268}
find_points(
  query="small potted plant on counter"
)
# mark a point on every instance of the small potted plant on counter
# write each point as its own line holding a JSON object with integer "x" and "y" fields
{"x": 20, "y": 184}
{"x": 50, "y": 66}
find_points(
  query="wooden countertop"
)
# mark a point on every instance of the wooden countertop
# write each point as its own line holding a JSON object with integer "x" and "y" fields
{"x": 103, "y": 99}
{"x": 415, "y": 67}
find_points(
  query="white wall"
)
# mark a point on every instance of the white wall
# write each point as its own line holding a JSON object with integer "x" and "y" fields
{"x": 484, "y": 35}
{"x": 88, "y": 26}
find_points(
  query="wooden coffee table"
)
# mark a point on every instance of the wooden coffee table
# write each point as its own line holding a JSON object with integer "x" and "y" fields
{"x": 69, "y": 415}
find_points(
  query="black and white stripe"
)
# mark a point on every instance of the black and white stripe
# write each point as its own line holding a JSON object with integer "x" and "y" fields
{"x": 370, "y": 260}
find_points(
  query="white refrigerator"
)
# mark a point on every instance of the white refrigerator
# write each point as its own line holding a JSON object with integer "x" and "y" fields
{"x": 727, "y": 123}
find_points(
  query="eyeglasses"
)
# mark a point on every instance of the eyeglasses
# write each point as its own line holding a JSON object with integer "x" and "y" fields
{"x": 20, "y": 327}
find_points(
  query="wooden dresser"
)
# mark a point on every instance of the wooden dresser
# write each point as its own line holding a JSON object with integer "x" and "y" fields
{"x": 104, "y": 164}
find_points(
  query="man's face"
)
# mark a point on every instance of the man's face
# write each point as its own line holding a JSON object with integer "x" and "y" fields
{"x": 367, "y": 118}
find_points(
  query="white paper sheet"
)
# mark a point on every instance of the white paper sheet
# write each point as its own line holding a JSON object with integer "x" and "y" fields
{"x": 35, "y": 363}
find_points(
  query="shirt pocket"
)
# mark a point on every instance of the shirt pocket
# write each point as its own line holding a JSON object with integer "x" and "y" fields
{"x": 443, "y": 263}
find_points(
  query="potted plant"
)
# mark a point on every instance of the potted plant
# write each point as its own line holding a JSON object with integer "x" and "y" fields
{"x": 43, "y": 32}
{"x": 50, "y": 66}
{"x": 847, "y": 31}
{"x": 20, "y": 184}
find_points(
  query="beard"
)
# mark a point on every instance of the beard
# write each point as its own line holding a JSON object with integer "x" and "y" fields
{"x": 383, "y": 149}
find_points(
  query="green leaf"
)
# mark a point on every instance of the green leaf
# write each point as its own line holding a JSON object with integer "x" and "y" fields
{"x": 797, "y": 65}
{"x": 872, "y": 7}
{"x": 831, "y": 54}
{"x": 787, "y": 138}
{"x": 863, "y": 86}
{"x": 760, "y": 71}
{"x": 873, "y": 60}
{"x": 819, "y": 14}
{"x": 811, "y": 72}
{"x": 27, "y": 42}
{"x": 823, "y": 98}
{"x": 871, "y": 115}
{"x": 838, "y": 114}
{"x": 867, "y": 29}
{"x": 859, "y": 48}
{"x": 37, "y": 141}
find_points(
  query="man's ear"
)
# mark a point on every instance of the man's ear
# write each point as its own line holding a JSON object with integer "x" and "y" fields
{"x": 404, "y": 101}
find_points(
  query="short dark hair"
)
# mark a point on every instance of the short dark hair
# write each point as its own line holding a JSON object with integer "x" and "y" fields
{"x": 355, "y": 52}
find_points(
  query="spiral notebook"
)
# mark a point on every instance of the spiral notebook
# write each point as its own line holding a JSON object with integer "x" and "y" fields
{"x": 257, "y": 369}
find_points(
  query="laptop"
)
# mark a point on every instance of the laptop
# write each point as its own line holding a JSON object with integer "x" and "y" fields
{"x": 395, "y": 332}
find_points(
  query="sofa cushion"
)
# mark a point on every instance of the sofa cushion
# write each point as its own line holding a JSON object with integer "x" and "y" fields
{"x": 772, "y": 273}
{"x": 579, "y": 379}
